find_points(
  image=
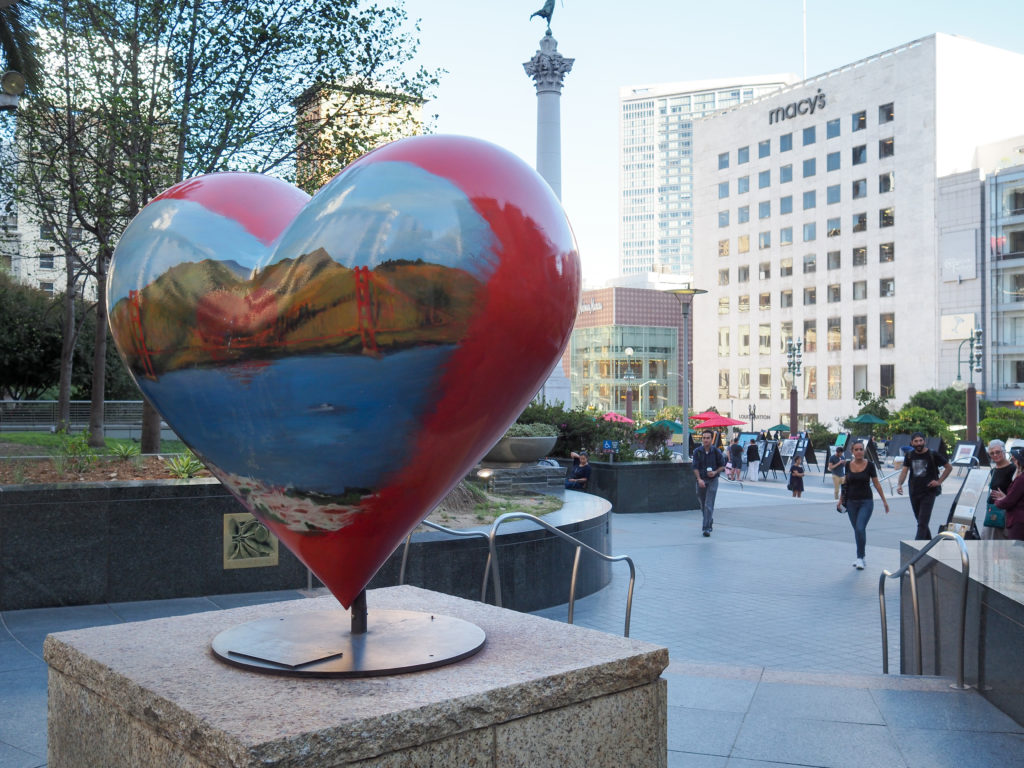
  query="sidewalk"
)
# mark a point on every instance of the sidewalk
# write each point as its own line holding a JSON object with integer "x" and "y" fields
{"x": 774, "y": 640}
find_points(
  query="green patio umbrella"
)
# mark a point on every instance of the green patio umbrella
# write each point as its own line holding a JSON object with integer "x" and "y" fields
{"x": 779, "y": 427}
{"x": 868, "y": 418}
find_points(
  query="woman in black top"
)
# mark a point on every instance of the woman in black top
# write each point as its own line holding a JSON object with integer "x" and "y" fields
{"x": 753, "y": 460}
{"x": 860, "y": 474}
{"x": 1002, "y": 476}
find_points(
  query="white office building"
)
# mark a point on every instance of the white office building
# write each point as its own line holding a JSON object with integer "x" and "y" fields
{"x": 656, "y": 154}
{"x": 822, "y": 215}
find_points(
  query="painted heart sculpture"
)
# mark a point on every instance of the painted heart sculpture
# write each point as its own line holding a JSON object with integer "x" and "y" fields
{"x": 340, "y": 362}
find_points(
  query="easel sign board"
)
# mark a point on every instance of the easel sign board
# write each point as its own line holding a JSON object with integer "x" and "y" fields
{"x": 965, "y": 453}
{"x": 747, "y": 437}
{"x": 788, "y": 447}
{"x": 972, "y": 497}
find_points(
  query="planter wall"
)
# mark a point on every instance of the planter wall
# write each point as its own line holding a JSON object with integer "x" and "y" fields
{"x": 520, "y": 449}
{"x": 80, "y": 544}
{"x": 644, "y": 486}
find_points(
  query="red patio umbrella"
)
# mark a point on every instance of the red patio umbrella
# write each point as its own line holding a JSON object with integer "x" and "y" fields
{"x": 705, "y": 415}
{"x": 617, "y": 417}
{"x": 720, "y": 421}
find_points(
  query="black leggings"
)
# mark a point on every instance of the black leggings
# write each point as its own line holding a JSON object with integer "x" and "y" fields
{"x": 922, "y": 505}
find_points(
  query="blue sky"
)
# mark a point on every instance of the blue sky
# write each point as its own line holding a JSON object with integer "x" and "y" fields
{"x": 486, "y": 94}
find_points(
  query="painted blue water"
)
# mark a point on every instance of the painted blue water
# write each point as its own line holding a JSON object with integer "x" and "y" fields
{"x": 319, "y": 423}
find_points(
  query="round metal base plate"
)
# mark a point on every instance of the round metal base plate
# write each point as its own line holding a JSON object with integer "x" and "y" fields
{"x": 319, "y": 644}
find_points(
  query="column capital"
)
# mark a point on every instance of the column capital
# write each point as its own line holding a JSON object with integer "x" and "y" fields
{"x": 548, "y": 67}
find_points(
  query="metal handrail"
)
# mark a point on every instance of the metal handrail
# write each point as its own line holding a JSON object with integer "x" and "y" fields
{"x": 965, "y": 568}
{"x": 453, "y": 532}
{"x": 493, "y": 558}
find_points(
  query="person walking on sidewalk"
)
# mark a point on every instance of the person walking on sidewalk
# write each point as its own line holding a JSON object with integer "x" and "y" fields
{"x": 753, "y": 460}
{"x": 837, "y": 466}
{"x": 736, "y": 459}
{"x": 925, "y": 483}
{"x": 860, "y": 475}
{"x": 708, "y": 463}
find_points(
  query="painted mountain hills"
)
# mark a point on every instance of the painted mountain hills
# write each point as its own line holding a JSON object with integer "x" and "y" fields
{"x": 208, "y": 313}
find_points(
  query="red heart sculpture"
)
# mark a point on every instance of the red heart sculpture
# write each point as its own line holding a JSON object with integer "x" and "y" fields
{"x": 340, "y": 362}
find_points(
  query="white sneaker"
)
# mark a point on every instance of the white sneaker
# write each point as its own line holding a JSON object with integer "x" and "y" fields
{"x": 859, "y": 564}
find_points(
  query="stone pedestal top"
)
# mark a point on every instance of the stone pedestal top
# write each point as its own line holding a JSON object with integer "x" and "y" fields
{"x": 162, "y": 674}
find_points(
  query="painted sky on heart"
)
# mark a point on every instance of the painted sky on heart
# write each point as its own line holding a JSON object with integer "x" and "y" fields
{"x": 370, "y": 214}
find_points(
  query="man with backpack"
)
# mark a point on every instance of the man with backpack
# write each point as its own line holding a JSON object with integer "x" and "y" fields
{"x": 708, "y": 464}
{"x": 923, "y": 465}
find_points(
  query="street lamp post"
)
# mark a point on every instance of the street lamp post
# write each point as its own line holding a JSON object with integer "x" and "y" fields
{"x": 793, "y": 363}
{"x": 974, "y": 357}
{"x": 680, "y": 294}
{"x": 640, "y": 399}
{"x": 628, "y": 376}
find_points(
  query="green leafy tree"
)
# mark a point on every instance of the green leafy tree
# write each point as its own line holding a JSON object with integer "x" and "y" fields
{"x": 821, "y": 436}
{"x": 949, "y": 403}
{"x": 578, "y": 429}
{"x": 30, "y": 340}
{"x": 916, "y": 419}
{"x": 1001, "y": 424}
{"x": 672, "y": 413}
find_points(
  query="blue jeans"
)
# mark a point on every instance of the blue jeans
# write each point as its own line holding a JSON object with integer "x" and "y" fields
{"x": 706, "y": 496}
{"x": 860, "y": 511}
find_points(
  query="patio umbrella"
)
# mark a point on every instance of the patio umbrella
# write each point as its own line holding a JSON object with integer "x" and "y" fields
{"x": 868, "y": 418}
{"x": 780, "y": 427}
{"x": 720, "y": 421}
{"x": 705, "y": 415}
{"x": 675, "y": 426}
{"x": 617, "y": 417}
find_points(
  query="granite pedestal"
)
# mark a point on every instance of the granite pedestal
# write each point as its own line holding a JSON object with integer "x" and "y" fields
{"x": 540, "y": 693}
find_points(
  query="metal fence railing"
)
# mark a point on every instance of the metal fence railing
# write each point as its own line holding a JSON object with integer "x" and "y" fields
{"x": 121, "y": 418}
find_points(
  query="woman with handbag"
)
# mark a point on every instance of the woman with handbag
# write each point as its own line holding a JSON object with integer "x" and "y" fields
{"x": 1002, "y": 477}
{"x": 1012, "y": 502}
{"x": 856, "y": 495}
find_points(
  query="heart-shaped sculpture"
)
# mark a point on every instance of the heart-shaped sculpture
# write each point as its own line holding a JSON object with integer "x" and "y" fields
{"x": 340, "y": 362}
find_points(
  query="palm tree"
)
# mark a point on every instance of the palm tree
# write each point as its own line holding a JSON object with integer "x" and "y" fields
{"x": 17, "y": 46}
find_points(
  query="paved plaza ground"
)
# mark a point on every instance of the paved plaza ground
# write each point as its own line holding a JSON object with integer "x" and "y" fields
{"x": 774, "y": 640}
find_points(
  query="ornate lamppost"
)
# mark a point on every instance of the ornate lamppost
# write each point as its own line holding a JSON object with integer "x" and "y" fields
{"x": 794, "y": 361}
{"x": 974, "y": 357}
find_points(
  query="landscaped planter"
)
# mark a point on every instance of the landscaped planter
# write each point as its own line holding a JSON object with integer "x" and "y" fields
{"x": 521, "y": 449}
{"x": 644, "y": 486}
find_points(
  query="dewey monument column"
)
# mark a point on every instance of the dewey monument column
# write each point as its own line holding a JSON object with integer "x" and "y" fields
{"x": 548, "y": 68}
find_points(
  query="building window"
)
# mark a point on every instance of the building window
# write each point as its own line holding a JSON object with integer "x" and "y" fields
{"x": 887, "y": 380}
{"x": 860, "y": 331}
{"x": 785, "y": 142}
{"x": 742, "y": 185}
{"x": 810, "y": 199}
{"x": 860, "y": 256}
{"x": 742, "y": 155}
{"x": 832, "y": 161}
{"x": 885, "y": 114}
{"x": 786, "y": 236}
{"x": 810, "y": 263}
{"x": 785, "y": 174}
{"x": 834, "y": 260}
{"x": 786, "y": 204}
{"x": 833, "y": 226}
{"x": 886, "y": 147}
{"x": 786, "y": 299}
{"x": 764, "y": 179}
{"x": 886, "y": 182}
{"x": 744, "y": 384}
{"x": 764, "y": 270}
{"x": 723, "y": 305}
{"x": 860, "y": 188}
{"x": 764, "y": 301}
{"x": 723, "y": 160}
{"x": 785, "y": 333}
{"x": 723, "y": 218}
{"x": 764, "y": 240}
{"x": 810, "y": 380}
{"x": 764, "y": 339}
{"x": 786, "y": 267}
{"x": 46, "y": 231}
{"x": 743, "y": 244}
{"x": 835, "y": 294}
{"x": 810, "y": 335}
{"x": 886, "y": 252}
{"x": 46, "y": 288}
{"x": 743, "y": 214}
{"x": 809, "y": 136}
{"x": 860, "y": 154}
{"x": 723, "y": 277}
{"x": 764, "y": 209}
{"x": 810, "y": 296}
{"x": 723, "y": 247}
{"x": 832, "y": 194}
{"x": 832, "y": 129}
{"x": 743, "y": 339}
{"x": 723, "y": 383}
{"x": 860, "y": 222}
{"x": 45, "y": 262}
{"x": 810, "y": 167}
{"x": 75, "y": 234}
{"x": 887, "y": 330}
{"x": 833, "y": 334}
{"x": 810, "y": 232}
{"x": 764, "y": 148}
{"x": 743, "y": 304}
{"x": 860, "y": 121}
{"x": 743, "y": 274}
{"x": 860, "y": 378}
{"x": 764, "y": 383}
{"x": 723, "y": 189}
{"x": 860, "y": 290}
{"x": 835, "y": 388}
{"x": 886, "y": 217}
{"x": 723, "y": 341}
{"x": 887, "y": 286}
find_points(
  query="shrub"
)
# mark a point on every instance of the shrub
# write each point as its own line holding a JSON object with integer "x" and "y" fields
{"x": 184, "y": 466}
{"x": 1001, "y": 423}
{"x": 74, "y": 453}
{"x": 531, "y": 430}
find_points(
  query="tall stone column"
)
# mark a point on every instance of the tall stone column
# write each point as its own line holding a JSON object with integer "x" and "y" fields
{"x": 548, "y": 68}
